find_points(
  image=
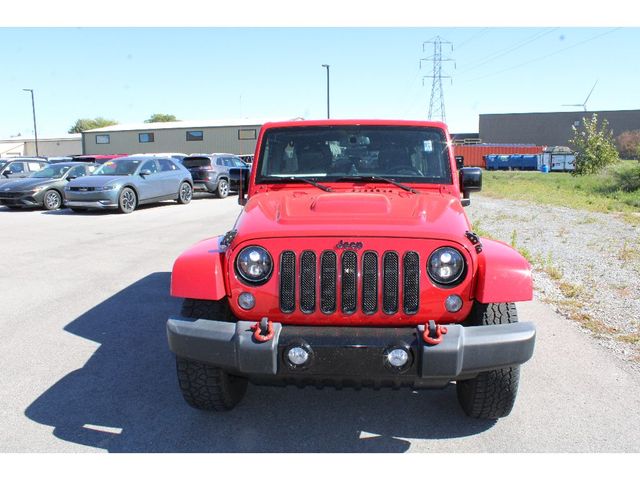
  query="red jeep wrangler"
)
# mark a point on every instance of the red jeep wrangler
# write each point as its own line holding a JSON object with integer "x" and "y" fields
{"x": 353, "y": 264}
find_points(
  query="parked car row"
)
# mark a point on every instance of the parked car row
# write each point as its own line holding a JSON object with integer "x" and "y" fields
{"x": 118, "y": 182}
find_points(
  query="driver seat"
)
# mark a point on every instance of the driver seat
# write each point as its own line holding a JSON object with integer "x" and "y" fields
{"x": 393, "y": 157}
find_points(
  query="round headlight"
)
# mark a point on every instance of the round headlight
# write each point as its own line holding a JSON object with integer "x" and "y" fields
{"x": 254, "y": 264}
{"x": 445, "y": 265}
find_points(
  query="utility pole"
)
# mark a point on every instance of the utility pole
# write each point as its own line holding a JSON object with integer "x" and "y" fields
{"x": 35, "y": 129}
{"x": 327, "y": 67}
{"x": 436, "y": 103}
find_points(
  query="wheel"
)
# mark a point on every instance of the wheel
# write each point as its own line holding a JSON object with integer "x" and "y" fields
{"x": 52, "y": 200}
{"x": 223, "y": 188}
{"x": 127, "y": 200}
{"x": 204, "y": 386}
{"x": 185, "y": 193}
{"x": 491, "y": 394}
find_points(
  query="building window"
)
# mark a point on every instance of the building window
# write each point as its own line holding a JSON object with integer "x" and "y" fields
{"x": 576, "y": 123}
{"x": 145, "y": 137}
{"x": 103, "y": 139}
{"x": 247, "y": 134}
{"x": 195, "y": 136}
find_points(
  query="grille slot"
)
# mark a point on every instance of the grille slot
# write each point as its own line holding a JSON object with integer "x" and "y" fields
{"x": 308, "y": 282}
{"x": 288, "y": 282}
{"x": 390, "y": 282}
{"x": 411, "y": 282}
{"x": 349, "y": 282}
{"x": 328, "y": 282}
{"x": 369, "y": 282}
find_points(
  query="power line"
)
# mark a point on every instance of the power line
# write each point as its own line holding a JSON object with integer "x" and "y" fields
{"x": 546, "y": 56}
{"x": 502, "y": 53}
{"x": 473, "y": 37}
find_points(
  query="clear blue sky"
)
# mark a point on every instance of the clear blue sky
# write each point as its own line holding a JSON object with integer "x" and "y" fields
{"x": 126, "y": 74}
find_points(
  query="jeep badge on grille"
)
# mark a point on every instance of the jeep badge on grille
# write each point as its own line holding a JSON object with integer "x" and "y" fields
{"x": 349, "y": 245}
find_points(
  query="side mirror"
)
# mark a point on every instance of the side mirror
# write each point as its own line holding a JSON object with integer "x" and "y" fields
{"x": 459, "y": 161}
{"x": 144, "y": 173}
{"x": 6, "y": 173}
{"x": 470, "y": 181}
{"x": 71, "y": 177}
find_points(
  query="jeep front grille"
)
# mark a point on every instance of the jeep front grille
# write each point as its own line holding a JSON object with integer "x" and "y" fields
{"x": 361, "y": 278}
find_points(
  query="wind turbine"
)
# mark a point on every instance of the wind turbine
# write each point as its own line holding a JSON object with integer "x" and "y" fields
{"x": 583, "y": 105}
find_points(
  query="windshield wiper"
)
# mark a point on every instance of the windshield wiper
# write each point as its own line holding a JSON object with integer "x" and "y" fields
{"x": 373, "y": 178}
{"x": 311, "y": 182}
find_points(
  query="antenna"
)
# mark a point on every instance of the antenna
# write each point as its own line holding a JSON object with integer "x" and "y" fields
{"x": 584, "y": 104}
{"x": 436, "y": 103}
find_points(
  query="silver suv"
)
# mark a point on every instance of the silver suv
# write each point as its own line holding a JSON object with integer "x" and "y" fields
{"x": 216, "y": 173}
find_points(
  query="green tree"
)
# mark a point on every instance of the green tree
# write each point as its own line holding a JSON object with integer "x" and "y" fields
{"x": 593, "y": 145}
{"x": 161, "y": 117}
{"x": 83, "y": 124}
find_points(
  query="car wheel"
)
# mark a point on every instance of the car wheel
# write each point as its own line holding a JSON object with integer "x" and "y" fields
{"x": 491, "y": 394}
{"x": 185, "y": 193}
{"x": 223, "y": 188}
{"x": 52, "y": 200}
{"x": 204, "y": 386}
{"x": 127, "y": 200}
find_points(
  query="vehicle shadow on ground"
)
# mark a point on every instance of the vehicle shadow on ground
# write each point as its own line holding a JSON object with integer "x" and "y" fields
{"x": 126, "y": 398}
{"x": 111, "y": 211}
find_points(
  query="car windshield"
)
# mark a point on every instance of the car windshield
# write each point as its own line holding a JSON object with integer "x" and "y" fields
{"x": 53, "y": 171}
{"x": 336, "y": 153}
{"x": 118, "y": 167}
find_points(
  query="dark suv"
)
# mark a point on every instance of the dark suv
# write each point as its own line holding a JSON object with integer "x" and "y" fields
{"x": 216, "y": 173}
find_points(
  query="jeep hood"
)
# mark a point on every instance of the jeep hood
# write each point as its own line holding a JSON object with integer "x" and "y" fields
{"x": 370, "y": 213}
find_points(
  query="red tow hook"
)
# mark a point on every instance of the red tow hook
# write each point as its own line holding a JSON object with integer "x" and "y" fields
{"x": 433, "y": 333}
{"x": 263, "y": 330}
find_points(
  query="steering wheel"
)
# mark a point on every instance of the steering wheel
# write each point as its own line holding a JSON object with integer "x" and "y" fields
{"x": 404, "y": 168}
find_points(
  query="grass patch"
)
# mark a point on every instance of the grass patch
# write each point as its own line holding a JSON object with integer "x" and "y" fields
{"x": 523, "y": 250}
{"x": 604, "y": 192}
{"x": 632, "y": 338}
{"x": 628, "y": 253}
{"x": 570, "y": 290}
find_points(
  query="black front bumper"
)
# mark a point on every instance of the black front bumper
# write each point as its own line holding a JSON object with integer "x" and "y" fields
{"x": 352, "y": 356}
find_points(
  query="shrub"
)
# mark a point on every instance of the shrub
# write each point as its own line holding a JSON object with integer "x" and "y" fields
{"x": 629, "y": 144}
{"x": 593, "y": 145}
{"x": 629, "y": 179}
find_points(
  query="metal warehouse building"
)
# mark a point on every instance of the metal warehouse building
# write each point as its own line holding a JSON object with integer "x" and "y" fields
{"x": 237, "y": 137}
{"x": 552, "y": 128}
{"x": 50, "y": 146}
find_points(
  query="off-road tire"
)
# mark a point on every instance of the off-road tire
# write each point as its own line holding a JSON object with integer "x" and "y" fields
{"x": 207, "y": 387}
{"x": 204, "y": 386}
{"x": 491, "y": 394}
{"x": 222, "y": 190}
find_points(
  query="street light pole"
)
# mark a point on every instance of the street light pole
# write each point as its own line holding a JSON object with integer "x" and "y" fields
{"x": 327, "y": 67}
{"x": 35, "y": 128}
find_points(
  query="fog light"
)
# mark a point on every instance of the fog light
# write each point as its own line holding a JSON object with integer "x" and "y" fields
{"x": 246, "y": 301}
{"x": 453, "y": 303}
{"x": 397, "y": 357}
{"x": 298, "y": 356}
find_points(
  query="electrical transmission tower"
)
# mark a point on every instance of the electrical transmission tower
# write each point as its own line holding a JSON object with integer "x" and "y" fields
{"x": 436, "y": 104}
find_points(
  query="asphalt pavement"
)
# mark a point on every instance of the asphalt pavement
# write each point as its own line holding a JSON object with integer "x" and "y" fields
{"x": 85, "y": 365}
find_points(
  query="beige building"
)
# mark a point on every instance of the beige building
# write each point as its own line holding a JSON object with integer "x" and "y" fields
{"x": 47, "y": 147}
{"x": 237, "y": 137}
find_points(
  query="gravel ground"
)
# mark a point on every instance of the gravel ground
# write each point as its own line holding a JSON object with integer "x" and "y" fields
{"x": 585, "y": 264}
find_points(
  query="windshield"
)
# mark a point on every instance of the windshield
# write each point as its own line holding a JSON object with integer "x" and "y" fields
{"x": 119, "y": 167}
{"x": 405, "y": 153}
{"x": 53, "y": 171}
